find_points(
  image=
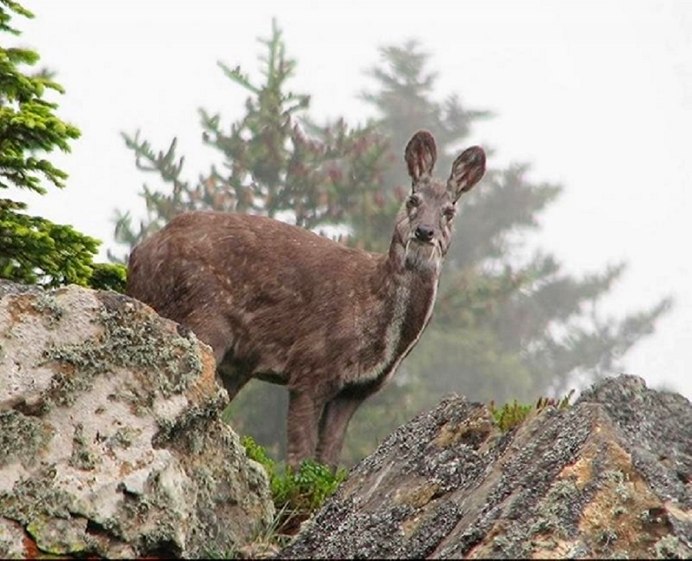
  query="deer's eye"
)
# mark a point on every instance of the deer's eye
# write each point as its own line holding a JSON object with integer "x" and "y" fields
{"x": 413, "y": 201}
{"x": 449, "y": 212}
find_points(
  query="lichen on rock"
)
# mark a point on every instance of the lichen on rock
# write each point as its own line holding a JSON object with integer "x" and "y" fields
{"x": 111, "y": 442}
{"x": 608, "y": 477}
{"x": 130, "y": 338}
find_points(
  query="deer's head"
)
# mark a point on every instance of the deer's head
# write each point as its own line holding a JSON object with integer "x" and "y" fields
{"x": 424, "y": 224}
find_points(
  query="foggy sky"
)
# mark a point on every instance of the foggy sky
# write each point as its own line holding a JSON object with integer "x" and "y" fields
{"x": 597, "y": 96}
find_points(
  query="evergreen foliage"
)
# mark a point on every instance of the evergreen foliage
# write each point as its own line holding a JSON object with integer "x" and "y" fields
{"x": 505, "y": 326}
{"x": 511, "y": 415}
{"x": 33, "y": 249}
{"x": 270, "y": 164}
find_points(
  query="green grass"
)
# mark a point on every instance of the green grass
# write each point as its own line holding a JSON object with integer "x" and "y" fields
{"x": 511, "y": 415}
{"x": 296, "y": 494}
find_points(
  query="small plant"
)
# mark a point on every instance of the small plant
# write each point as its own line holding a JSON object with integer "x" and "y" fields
{"x": 511, "y": 415}
{"x": 108, "y": 276}
{"x": 296, "y": 493}
{"x": 306, "y": 489}
{"x": 257, "y": 453}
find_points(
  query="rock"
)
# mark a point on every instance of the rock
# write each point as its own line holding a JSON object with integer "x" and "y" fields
{"x": 608, "y": 477}
{"x": 110, "y": 437}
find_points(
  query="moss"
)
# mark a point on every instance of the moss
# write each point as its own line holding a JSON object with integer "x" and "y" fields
{"x": 510, "y": 415}
{"x": 21, "y": 437}
{"x": 669, "y": 547}
{"x": 49, "y": 309}
{"x": 555, "y": 508}
{"x": 35, "y": 497}
{"x": 83, "y": 455}
{"x": 60, "y": 536}
{"x": 124, "y": 437}
{"x": 182, "y": 425}
{"x": 133, "y": 339}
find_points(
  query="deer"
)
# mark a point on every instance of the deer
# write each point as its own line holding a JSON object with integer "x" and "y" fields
{"x": 283, "y": 304}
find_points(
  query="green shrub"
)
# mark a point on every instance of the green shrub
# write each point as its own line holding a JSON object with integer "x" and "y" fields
{"x": 296, "y": 494}
{"x": 108, "y": 276}
{"x": 511, "y": 415}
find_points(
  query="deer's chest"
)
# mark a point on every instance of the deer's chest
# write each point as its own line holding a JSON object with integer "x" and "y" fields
{"x": 410, "y": 312}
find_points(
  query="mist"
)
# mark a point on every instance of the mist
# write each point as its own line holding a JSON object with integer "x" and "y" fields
{"x": 594, "y": 97}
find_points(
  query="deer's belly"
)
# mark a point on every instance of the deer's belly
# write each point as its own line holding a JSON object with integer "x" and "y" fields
{"x": 348, "y": 350}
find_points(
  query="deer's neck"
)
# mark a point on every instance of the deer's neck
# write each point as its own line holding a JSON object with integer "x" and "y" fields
{"x": 411, "y": 286}
{"x": 407, "y": 295}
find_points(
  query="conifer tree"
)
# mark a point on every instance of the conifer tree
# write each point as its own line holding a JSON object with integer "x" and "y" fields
{"x": 275, "y": 160}
{"x": 33, "y": 249}
{"x": 503, "y": 328}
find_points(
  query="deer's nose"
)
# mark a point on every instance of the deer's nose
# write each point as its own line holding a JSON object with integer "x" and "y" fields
{"x": 424, "y": 233}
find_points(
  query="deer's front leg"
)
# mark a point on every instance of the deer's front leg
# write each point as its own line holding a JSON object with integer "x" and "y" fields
{"x": 332, "y": 428}
{"x": 303, "y": 415}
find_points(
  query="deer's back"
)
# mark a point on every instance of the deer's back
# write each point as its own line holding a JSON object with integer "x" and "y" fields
{"x": 271, "y": 284}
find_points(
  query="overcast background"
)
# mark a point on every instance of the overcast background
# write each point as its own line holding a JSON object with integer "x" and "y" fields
{"x": 597, "y": 96}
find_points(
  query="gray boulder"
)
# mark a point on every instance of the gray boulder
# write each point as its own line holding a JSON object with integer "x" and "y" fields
{"x": 110, "y": 437}
{"x": 609, "y": 477}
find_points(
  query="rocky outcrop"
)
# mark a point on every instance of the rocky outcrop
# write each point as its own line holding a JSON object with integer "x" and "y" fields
{"x": 607, "y": 477}
{"x": 111, "y": 445}
{"x": 110, "y": 437}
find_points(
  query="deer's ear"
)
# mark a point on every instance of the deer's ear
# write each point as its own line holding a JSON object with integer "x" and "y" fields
{"x": 420, "y": 155}
{"x": 467, "y": 170}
